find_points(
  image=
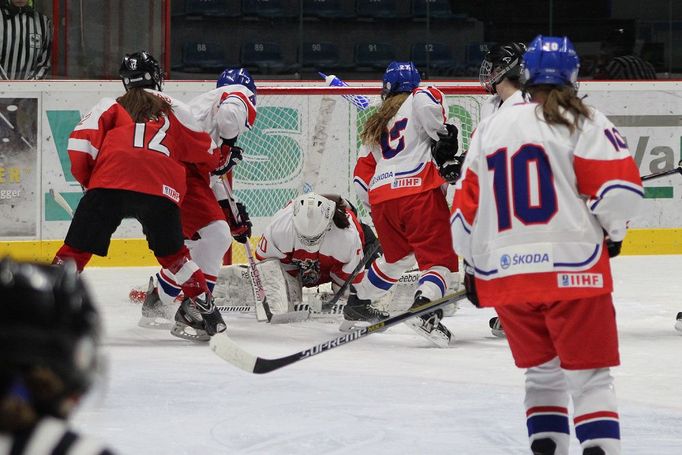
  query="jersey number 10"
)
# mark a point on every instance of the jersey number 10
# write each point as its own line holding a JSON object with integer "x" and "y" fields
{"x": 527, "y": 209}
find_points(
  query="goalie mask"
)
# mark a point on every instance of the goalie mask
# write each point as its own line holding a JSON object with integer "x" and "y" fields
{"x": 141, "y": 69}
{"x": 550, "y": 60}
{"x": 313, "y": 216}
{"x": 501, "y": 62}
{"x": 48, "y": 321}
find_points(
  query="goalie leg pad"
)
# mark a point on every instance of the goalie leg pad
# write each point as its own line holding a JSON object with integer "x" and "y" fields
{"x": 284, "y": 292}
{"x": 233, "y": 286}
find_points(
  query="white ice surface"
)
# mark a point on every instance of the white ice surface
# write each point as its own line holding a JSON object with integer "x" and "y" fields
{"x": 389, "y": 393}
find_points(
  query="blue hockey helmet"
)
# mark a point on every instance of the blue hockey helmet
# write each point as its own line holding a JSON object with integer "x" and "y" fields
{"x": 550, "y": 60}
{"x": 237, "y": 76}
{"x": 400, "y": 77}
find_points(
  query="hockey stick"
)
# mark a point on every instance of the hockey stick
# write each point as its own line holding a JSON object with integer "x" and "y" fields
{"x": 231, "y": 352}
{"x": 358, "y": 268}
{"x": 59, "y": 199}
{"x": 656, "y": 175}
{"x": 263, "y": 312}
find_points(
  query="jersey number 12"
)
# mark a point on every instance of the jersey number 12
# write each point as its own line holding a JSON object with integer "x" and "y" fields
{"x": 155, "y": 143}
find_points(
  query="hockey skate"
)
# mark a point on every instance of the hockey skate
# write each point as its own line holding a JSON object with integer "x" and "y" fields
{"x": 155, "y": 314}
{"x": 496, "y": 327}
{"x": 360, "y": 312}
{"x": 197, "y": 320}
{"x": 429, "y": 326}
{"x": 678, "y": 322}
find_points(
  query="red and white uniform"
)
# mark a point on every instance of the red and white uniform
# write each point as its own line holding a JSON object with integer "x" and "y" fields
{"x": 401, "y": 184}
{"x": 102, "y": 157}
{"x": 224, "y": 113}
{"x": 529, "y": 215}
{"x": 333, "y": 259}
{"x": 529, "y": 211}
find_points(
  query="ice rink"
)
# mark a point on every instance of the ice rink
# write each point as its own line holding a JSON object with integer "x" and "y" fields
{"x": 389, "y": 393}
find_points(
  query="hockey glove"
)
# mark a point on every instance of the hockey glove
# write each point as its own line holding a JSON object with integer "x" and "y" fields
{"x": 470, "y": 285}
{"x": 240, "y": 230}
{"x": 230, "y": 156}
{"x": 613, "y": 247}
{"x": 444, "y": 152}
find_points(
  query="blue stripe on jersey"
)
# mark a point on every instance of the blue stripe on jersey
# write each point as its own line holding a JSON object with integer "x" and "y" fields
{"x": 435, "y": 280}
{"x": 613, "y": 187}
{"x": 413, "y": 171}
{"x": 460, "y": 217}
{"x": 542, "y": 423}
{"x": 597, "y": 429}
{"x": 377, "y": 281}
{"x": 426, "y": 92}
{"x": 361, "y": 183}
{"x": 580, "y": 264}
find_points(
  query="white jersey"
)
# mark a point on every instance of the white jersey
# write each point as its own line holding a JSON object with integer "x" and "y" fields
{"x": 224, "y": 113}
{"x": 495, "y": 103}
{"x": 529, "y": 211}
{"x": 333, "y": 259}
{"x": 402, "y": 164}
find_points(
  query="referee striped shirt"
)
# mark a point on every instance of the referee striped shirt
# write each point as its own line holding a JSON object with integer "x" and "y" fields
{"x": 50, "y": 437}
{"x": 25, "y": 46}
{"x": 629, "y": 67}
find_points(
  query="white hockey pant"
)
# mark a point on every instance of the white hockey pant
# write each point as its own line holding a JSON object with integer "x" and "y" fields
{"x": 548, "y": 388}
{"x": 207, "y": 252}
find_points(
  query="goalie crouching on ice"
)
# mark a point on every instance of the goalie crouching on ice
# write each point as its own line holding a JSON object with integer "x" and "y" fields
{"x": 314, "y": 240}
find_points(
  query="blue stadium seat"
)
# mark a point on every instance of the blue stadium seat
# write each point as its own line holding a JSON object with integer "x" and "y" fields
{"x": 202, "y": 57}
{"x": 210, "y": 8}
{"x": 373, "y": 56}
{"x": 264, "y": 58}
{"x": 267, "y": 9}
{"x": 438, "y": 9}
{"x": 439, "y": 57}
{"x": 377, "y": 9}
{"x": 320, "y": 56}
{"x": 325, "y": 9}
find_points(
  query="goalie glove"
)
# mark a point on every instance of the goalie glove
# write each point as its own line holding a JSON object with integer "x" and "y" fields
{"x": 444, "y": 152}
{"x": 240, "y": 230}
{"x": 230, "y": 156}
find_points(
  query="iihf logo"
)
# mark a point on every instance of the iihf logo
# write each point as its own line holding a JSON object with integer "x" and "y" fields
{"x": 505, "y": 261}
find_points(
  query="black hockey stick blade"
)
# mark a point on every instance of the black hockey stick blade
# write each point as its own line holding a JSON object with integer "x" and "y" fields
{"x": 231, "y": 352}
{"x": 656, "y": 175}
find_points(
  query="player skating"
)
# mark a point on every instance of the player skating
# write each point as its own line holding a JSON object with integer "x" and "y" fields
{"x": 49, "y": 358}
{"x": 225, "y": 112}
{"x": 397, "y": 177}
{"x": 499, "y": 75}
{"x": 130, "y": 155}
{"x": 546, "y": 191}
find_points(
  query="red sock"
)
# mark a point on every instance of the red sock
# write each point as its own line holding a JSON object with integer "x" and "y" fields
{"x": 187, "y": 274}
{"x": 69, "y": 253}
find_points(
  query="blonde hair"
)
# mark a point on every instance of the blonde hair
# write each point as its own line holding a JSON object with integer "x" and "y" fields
{"x": 142, "y": 105}
{"x": 555, "y": 100}
{"x": 376, "y": 123}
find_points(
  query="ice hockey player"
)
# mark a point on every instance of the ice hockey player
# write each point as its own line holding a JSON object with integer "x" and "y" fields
{"x": 207, "y": 221}
{"x": 398, "y": 178}
{"x": 49, "y": 358}
{"x": 317, "y": 239}
{"x": 540, "y": 254}
{"x": 499, "y": 76}
{"x": 130, "y": 155}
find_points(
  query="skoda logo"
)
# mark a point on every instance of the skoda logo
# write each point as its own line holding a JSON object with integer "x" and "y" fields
{"x": 505, "y": 261}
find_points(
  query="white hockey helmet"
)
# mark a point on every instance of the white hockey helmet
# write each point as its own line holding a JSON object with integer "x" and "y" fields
{"x": 313, "y": 216}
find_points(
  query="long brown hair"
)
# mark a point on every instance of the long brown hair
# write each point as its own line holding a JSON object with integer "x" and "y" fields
{"x": 143, "y": 105}
{"x": 376, "y": 123}
{"x": 554, "y": 99}
{"x": 340, "y": 219}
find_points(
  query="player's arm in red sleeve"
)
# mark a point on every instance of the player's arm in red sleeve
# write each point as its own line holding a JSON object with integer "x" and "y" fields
{"x": 607, "y": 175}
{"x": 363, "y": 173}
{"x": 86, "y": 139}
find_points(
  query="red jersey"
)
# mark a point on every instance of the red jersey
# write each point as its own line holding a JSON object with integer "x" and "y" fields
{"x": 109, "y": 150}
